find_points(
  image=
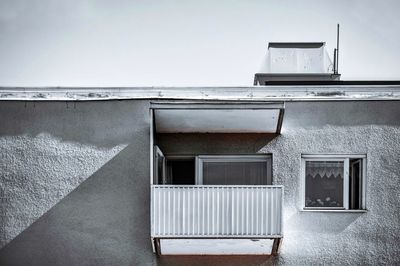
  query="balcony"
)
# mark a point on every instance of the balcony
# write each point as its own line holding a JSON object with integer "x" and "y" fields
{"x": 216, "y": 211}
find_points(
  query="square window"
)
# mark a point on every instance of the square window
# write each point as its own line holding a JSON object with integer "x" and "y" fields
{"x": 333, "y": 182}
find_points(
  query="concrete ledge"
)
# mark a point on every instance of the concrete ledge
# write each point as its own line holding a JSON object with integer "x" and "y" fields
{"x": 337, "y": 211}
{"x": 256, "y": 93}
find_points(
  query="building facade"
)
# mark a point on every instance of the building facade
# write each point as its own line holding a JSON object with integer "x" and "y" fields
{"x": 304, "y": 174}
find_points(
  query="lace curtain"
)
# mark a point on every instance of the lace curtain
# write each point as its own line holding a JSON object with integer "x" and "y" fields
{"x": 324, "y": 169}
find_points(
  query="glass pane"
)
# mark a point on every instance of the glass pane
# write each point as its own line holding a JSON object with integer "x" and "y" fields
{"x": 160, "y": 163}
{"x": 235, "y": 173}
{"x": 324, "y": 184}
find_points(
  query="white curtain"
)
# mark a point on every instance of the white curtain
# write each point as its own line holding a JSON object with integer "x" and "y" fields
{"x": 325, "y": 169}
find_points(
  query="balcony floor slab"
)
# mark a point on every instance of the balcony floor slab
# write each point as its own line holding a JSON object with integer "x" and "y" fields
{"x": 216, "y": 246}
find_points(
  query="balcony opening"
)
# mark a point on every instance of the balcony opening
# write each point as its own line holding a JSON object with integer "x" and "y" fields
{"x": 209, "y": 185}
{"x": 212, "y": 169}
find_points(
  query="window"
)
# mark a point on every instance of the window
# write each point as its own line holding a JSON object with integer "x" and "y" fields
{"x": 333, "y": 182}
{"x": 212, "y": 169}
{"x": 234, "y": 170}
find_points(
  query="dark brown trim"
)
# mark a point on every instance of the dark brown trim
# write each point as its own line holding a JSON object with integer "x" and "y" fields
{"x": 157, "y": 246}
{"x": 280, "y": 121}
{"x": 275, "y": 246}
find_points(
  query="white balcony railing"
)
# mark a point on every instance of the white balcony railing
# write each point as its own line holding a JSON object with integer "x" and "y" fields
{"x": 216, "y": 211}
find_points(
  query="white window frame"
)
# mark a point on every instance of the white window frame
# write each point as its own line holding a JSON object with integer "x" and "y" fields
{"x": 200, "y": 159}
{"x": 345, "y": 158}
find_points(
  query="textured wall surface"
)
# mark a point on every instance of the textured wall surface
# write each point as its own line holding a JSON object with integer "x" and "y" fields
{"x": 37, "y": 172}
{"x": 369, "y": 238}
{"x": 98, "y": 152}
{"x": 86, "y": 169}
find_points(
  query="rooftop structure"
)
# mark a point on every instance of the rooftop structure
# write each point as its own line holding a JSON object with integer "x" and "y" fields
{"x": 296, "y": 61}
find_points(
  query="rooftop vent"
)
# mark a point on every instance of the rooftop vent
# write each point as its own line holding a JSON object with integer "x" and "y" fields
{"x": 297, "y": 58}
{"x": 298, "y": 61}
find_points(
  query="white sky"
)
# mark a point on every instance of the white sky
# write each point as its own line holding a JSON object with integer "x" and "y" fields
{"x": 181, "y": 43}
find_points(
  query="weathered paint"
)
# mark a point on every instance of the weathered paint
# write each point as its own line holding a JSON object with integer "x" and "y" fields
{"x": 105, "y": 219}
{"x": 254, "y": 93}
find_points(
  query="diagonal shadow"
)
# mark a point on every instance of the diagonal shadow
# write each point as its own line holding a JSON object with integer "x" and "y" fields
{"x": 213, "y": 143}
{"x": 102, "y": 221}
{"x": 322, "y": 222}
{"x": 105, "y": 221}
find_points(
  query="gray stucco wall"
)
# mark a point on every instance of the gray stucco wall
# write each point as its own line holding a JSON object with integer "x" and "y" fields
{"x": 342, "y": 238}
{"x": 90, "y": 164}
{"x": 76, "y": 178}
{"x": 369, "y": 238}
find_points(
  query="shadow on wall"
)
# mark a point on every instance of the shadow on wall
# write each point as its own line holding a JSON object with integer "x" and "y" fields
{"x": 321, "y": 222}
{"x": 103, "y": 221}
{"x": 216, "y": 143}
{"x": 104, "y": 124}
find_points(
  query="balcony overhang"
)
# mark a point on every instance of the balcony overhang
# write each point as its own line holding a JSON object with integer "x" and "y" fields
{"x": 218, "y": 117}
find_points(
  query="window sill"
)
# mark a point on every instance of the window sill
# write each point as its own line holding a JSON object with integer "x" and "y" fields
{"x": 339, "y": 211}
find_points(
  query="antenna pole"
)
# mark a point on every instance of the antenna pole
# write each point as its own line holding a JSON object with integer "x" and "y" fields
{"x": 337, "y": 50}
{"x": 334, "y": 61}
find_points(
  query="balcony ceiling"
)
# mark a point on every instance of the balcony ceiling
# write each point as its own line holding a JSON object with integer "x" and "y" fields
{"x": 218, "y": 118}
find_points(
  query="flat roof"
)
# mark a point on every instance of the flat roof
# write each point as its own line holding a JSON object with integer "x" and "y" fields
{"x": 365, "y": 90}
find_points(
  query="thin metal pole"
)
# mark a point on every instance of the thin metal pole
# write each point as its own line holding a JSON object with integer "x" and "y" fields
{"x": 334, "y": 61}
{"x": 337, "y": 50}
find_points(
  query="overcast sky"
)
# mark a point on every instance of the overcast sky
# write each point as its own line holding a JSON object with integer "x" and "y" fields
{"x": 180, "y": 43}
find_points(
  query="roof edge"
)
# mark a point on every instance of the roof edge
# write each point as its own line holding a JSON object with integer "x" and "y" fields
{"x": 251, "y": 93}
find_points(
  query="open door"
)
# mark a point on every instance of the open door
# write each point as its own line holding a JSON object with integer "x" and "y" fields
{"x": 159, "y": 166}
